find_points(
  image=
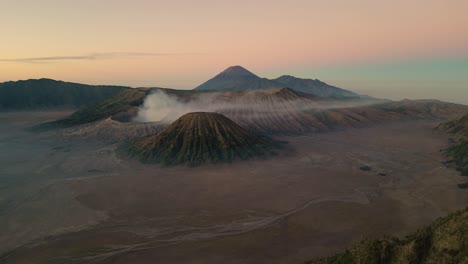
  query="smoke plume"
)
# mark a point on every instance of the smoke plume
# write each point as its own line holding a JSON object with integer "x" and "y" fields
{"x": 164, "y": 107}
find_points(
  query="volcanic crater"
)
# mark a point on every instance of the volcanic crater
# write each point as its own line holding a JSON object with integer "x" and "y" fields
{"x": 200, "y": 137}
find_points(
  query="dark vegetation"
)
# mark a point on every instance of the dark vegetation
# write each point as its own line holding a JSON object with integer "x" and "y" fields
{"x": 200, "y": 137}
{"x": 51, "y": 94}
{"x": 459, "y": 152}
{"x": 445, "y": 241}
{"x": 459, "y": 146}
{"x": 122, "y": 102}
{"x": 365, "y": 168}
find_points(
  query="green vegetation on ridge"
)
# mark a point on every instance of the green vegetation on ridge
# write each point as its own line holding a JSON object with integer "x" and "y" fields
{"x": 445, "y": 241}
{"x": 459, "y": 151}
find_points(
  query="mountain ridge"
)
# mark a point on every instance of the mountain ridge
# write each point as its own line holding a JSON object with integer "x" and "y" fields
{"x": 238, "y": 78}
{"x": 315, "y": 87}
{"x": 47, "y": 93}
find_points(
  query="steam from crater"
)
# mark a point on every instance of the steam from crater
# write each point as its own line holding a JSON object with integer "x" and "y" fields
{"x": 161, "y": 106}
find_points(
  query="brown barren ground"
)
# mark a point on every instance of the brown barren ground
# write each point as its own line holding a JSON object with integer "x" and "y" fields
{"x": 287, "y": 209}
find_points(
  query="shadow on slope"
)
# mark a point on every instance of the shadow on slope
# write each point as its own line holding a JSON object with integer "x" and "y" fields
{"x": 52, "y": 94}
{"x": 445, "y": 241}
{"x": 200, "y": 137}
{"x": 458, "y": 127}
{"x": 122, "y": 102}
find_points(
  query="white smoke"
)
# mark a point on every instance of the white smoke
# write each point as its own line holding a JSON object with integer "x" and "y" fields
{"x": 160, "y": 106}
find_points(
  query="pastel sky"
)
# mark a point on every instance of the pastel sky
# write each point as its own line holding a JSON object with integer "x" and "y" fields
{"x": 393, "y": 49}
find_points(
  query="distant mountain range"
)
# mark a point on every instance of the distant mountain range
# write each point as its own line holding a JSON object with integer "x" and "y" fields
{"x": 52, "y": 94}
{"x": 237, "y": 78}
{"x": 314, "y": 87}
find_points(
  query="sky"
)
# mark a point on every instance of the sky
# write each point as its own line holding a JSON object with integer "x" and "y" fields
{"x": 393, "y": 49}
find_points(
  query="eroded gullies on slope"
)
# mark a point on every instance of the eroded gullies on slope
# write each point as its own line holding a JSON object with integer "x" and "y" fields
{"x": 200, "y": 137}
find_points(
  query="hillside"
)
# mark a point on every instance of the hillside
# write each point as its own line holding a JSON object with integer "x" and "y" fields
{"x": 275, "y": 111}
{"x": 122, "y": 102}
{"x": 51, "y": 94}
{"x": 287, "y": 112}
{"x": 315, "y": 87}
{"x": 237, "y": 78}
{"x": 199, "y": 137}
{"x": 457, "y": 127}
{"x": 112, "y": 131}
{"x": 445, "y": 241}
{"x": 459, "y": 150}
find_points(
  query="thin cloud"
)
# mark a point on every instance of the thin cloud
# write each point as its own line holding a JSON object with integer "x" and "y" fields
{"x": 93, "y": 56}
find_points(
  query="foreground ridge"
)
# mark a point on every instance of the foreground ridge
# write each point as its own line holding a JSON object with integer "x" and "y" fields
{"x": 445, "y": 241}
{"x": 458, "y": 128}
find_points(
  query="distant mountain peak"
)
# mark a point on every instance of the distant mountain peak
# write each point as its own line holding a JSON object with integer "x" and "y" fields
{"x": 237, "y": 71}
{"x": 237, "y": 78}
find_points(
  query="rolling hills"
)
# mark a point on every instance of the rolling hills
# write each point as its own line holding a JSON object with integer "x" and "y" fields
{"x": 288, "y": 112}
{"x": 51, "y": 94}
{"x": 275, "y": 111}
{"x": 121, "y": 103}
{"x": 111, "y": 131}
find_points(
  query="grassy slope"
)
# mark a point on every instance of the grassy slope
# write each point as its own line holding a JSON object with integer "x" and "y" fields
{"x": 445, "y": 241}
{"x": 459, "y": 151}
{"x": 104, "y": 109}
{"x": 457, "y": 127}
{"x": 51, "y": 94}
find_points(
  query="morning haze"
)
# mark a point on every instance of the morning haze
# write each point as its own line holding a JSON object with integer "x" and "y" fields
{"x": 181, "y": 43}
{"x": 190, "y": 132}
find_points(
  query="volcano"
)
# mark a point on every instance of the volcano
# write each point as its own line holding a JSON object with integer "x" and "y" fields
{"x": 200, "y": 137}
{"x": 237, "y": 78}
